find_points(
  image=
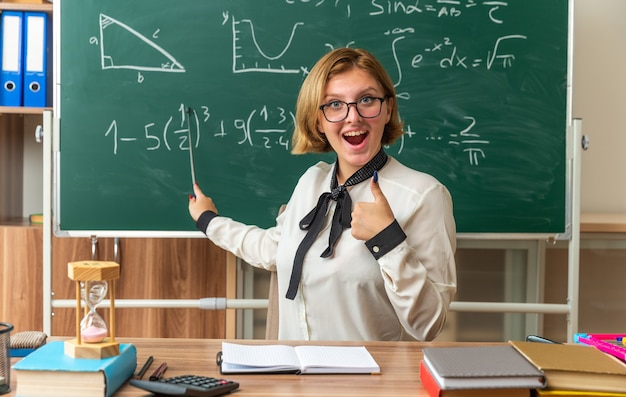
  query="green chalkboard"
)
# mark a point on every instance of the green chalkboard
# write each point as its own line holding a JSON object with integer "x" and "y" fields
{"x": 482, "y": 86}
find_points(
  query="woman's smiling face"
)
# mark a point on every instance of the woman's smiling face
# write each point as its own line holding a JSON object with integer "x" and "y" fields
{"x": 356, "y": 140}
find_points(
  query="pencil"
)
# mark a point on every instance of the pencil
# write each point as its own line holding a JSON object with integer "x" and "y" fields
{"x": 158, "y": 374}
{"x": 145, "y": 367}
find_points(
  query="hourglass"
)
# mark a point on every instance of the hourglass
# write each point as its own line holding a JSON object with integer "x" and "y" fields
{"x": 93, "y": 329}
{"x": 93, "y": 280}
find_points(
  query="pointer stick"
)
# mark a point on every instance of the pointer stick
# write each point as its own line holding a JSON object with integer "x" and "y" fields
{"x": 193, "y": 168}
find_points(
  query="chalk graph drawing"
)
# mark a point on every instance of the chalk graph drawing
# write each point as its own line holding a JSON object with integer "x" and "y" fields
{"x": 244, "y": 39}
{"x": 145, "y": 55}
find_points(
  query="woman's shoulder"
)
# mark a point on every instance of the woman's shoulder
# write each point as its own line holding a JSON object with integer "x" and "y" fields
{"x": 400, "y": 172}
{"x": 319, "y": 170}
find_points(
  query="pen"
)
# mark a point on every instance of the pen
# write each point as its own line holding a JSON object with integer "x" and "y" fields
{"x": 145, "y": 367}
{"x": 540, "y": 339}
{"x": 158, "y": 374}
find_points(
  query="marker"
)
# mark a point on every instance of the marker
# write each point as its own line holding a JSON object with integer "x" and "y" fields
{"x": 145, "y": 367}
{"x": 601, "y": 345}
{"x": 540, "y": 339}
{"x": 375, "y": 176}
{"x": 617, "y": 337}
{"x": 158, "y": 374}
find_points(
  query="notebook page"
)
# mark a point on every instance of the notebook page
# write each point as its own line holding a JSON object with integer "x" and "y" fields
{"x": 262, "y": 356}
{"x": 336, "y": 359}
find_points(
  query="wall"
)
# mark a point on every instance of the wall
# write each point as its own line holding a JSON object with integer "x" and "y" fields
{"x": 33, "y": 168}
{"x": 599, "y": 90}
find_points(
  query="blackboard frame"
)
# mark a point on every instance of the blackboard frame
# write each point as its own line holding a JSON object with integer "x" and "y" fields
{"x": 122, "y": 231}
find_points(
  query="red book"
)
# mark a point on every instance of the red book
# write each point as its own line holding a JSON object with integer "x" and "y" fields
{"x": 434, "y": 390}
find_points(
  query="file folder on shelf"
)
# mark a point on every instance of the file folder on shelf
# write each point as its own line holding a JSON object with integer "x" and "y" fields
{"x": 35, "y": 59}
{"x": 11, "y": 72}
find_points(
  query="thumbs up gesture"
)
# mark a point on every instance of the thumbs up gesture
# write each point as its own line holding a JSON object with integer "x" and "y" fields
{"x": 369, "y": 219}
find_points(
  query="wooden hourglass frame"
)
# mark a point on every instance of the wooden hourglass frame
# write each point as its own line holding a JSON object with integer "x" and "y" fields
{"x": 85, "y": 272}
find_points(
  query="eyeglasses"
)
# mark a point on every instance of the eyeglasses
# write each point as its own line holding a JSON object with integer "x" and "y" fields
{"x": 367, "y": 107}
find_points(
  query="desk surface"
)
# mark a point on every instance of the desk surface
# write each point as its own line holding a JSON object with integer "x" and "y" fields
{"x": 399, "y": 363}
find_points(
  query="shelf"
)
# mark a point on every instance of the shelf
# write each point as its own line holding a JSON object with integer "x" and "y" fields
{"x": 21, "y": 110}
{"x": 47, "y": 7}
{"x": 20, "y": 222}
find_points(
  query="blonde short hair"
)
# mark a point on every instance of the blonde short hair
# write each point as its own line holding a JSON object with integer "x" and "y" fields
{"x": 306, "y": 137}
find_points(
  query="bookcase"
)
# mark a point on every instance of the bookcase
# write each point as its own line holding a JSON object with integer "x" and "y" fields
{"x": 16, "y": 137}
{"x": 21, "y": 177}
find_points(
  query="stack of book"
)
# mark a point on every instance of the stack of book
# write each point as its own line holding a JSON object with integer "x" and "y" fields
{"x": 522, "y": 369}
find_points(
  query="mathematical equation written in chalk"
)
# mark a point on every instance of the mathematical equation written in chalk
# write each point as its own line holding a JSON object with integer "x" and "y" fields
{"x": 270, "y": 128}
{"x": 250, "y": 55}
{"x": 266, "y": 129}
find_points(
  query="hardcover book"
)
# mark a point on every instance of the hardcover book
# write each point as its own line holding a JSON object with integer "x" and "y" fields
{"x": 575, "y": 366}
{"x": 481, "y": 367}
{"x": 48, "y": 372}
{"x": 576, "y": 393}
{"x": 434, "y": 390}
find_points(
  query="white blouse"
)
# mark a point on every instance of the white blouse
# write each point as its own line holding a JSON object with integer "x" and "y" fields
{"x": 405, "y": 294}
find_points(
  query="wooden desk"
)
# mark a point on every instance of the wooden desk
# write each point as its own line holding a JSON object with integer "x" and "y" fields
{"x": 399, "y": 364}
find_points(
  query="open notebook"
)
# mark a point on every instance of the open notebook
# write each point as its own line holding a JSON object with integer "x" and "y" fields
{"x": 306, "y": 359}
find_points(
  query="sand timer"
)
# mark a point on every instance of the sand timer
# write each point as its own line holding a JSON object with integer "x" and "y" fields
{"x": 94, "y": 279}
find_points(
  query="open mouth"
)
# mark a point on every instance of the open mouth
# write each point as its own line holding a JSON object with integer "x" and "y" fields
{"x": 355, "y": 137}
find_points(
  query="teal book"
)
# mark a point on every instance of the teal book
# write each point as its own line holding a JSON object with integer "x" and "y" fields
{"x": 49, "y": 372}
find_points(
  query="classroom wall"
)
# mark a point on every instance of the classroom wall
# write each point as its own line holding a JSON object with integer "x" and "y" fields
{"x": 599, "y": 99}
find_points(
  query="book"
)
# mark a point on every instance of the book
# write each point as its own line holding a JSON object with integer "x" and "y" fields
{"x": 434, "y": 390}
{"x": 49, "y": 372}
{"x": 481, "y": 367}
{"x": 575, "y": 366}
{"x": 36, "y": 218}
{"x": 575, "y": 393}
{"x": 306, "y": 359}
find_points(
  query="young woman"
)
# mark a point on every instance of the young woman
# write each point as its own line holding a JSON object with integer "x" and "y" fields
{"x": 364, "y": 249}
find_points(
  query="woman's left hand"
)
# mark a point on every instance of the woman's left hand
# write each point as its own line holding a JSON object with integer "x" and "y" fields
{"x": 369, "y": 219}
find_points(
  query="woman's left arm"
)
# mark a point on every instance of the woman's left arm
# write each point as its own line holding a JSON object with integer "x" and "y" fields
{"x": 420, "y": 270}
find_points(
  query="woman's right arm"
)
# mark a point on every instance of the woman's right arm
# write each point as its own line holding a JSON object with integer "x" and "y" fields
{"x": 253, "y": 244}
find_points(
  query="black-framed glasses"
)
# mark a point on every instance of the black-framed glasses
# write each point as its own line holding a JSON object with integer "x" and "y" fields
{"x": 367, "y": 107}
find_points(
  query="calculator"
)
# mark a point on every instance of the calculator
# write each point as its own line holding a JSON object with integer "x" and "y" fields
{"x": 187, "y": 385}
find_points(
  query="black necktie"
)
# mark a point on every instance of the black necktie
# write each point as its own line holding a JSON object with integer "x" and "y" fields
{"x": 342, "y": 217}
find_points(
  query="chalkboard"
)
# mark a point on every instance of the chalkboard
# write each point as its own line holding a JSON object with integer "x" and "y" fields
{"x": 482, "y": 88}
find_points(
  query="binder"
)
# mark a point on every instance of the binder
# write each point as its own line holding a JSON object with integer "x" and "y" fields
{"x": 11, "y": 72}
{"x": 35, "y": 58}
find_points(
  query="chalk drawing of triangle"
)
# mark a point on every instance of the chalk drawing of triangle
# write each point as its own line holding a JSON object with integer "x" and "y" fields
{"x": 122, "y": 47}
